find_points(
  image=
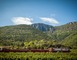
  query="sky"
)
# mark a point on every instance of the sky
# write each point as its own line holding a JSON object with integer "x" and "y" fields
{"x": 52, "y": 12}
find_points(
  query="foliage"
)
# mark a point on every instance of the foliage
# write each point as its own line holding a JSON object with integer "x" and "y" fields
{"x": 16, "y": 35}
{"x": 41, "y": 44}
{"x": 65, "y": 34}
{"x": 72, "y": 40}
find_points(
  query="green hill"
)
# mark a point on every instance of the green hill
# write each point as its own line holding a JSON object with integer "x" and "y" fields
{"x": 65, "y": 34}
{"x": 63, "y": 31}
{"x": 10, "y": 35}
{"x": 71, "y": 40}
{"x": 16, "y": 35}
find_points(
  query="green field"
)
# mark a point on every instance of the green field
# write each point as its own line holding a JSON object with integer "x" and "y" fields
{"x": 39, "y": 56}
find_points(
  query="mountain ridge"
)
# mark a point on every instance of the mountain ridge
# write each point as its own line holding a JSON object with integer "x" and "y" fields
{"x": 42, "y": 26}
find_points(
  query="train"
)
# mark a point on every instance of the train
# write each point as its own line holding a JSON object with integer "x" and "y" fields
{"x": 36, "y": 50}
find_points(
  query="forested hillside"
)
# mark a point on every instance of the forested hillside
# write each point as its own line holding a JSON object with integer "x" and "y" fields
{"x": 71, "y": 40}
{"x": 65, "y": 34}
{"x": 13, "y": 35}
{"x": 18, "y": 34}
{"x": 63, "y": 31}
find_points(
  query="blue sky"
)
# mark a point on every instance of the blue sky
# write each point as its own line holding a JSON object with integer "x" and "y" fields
{"x": 52, "y": 12}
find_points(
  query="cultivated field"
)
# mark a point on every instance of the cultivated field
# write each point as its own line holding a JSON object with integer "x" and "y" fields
{"x": 39, "y": 55}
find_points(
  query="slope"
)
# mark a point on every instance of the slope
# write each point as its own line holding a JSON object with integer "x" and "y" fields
{"x": 65, "y": 34}
{"x": 43, "y": 27}
{"x": 63, "y": 31}
{"x": 71, "y": 40}
{"x": 20, "y": 33}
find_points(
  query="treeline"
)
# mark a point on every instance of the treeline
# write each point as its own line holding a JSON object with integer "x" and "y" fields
{"x": 42, "y": 44}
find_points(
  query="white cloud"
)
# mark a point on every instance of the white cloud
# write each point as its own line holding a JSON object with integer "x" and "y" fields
{"x": 50, "y": 20}
{"x": 22, "y": 20}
